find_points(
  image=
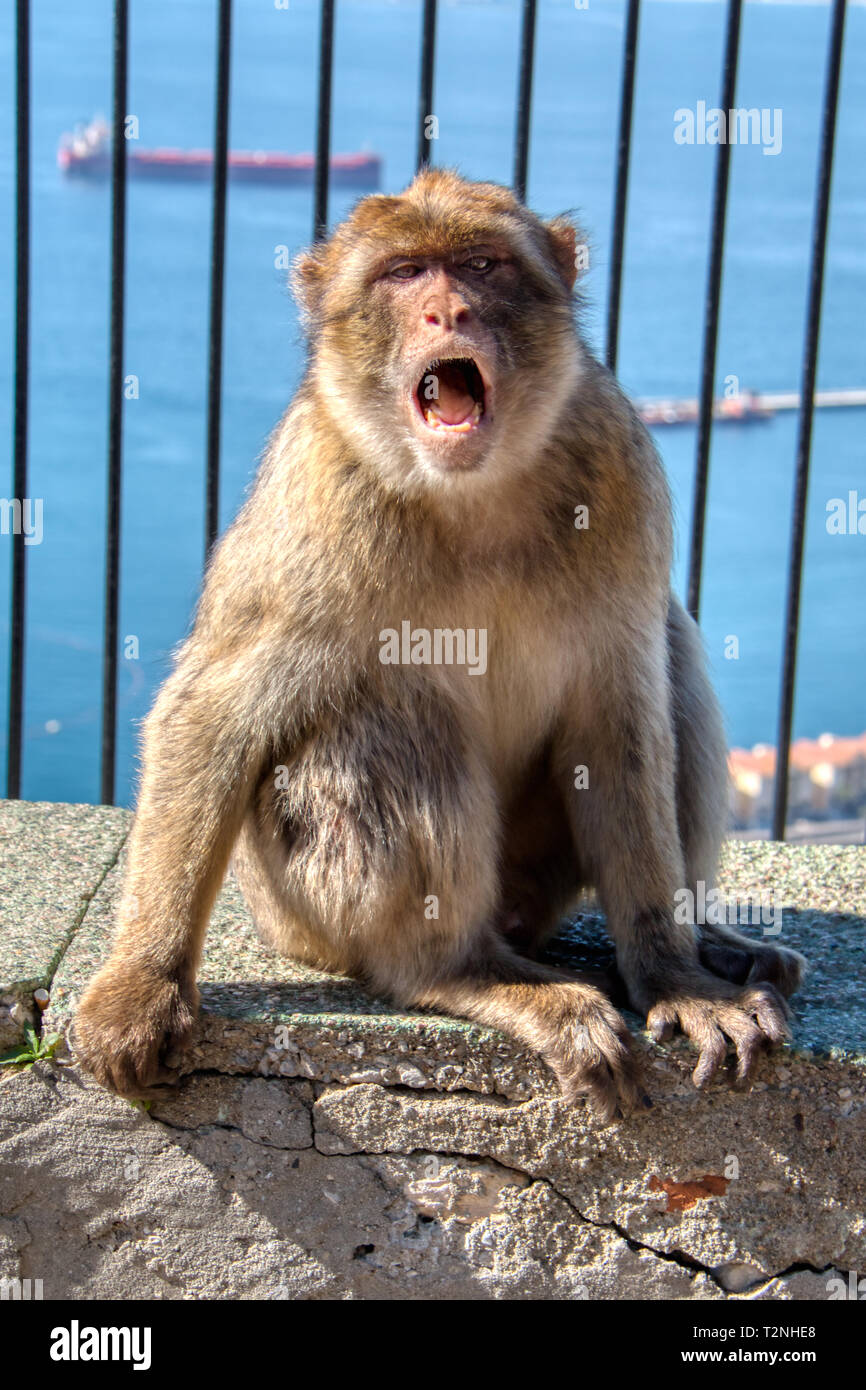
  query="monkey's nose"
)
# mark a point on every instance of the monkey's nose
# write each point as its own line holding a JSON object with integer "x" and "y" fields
{"x": 445, "y": 317}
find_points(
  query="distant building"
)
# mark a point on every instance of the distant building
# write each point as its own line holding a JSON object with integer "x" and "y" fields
{"x": 827, "y": 779}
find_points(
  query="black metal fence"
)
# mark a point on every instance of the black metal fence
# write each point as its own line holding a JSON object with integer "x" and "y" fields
{"x": 223, "y": 19}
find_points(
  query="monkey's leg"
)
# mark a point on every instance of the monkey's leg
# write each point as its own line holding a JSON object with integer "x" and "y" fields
{"x": 569, "y": 1022}
{"x": 379, "y": 859}
{"x": 540, "y": 877}
{"x": 625, "y": 822}
{"x": 701, "y": 751}
{"x": 702, "y": 784}
{"x": 199, "y": 762}
{"x": 744, "y": 960}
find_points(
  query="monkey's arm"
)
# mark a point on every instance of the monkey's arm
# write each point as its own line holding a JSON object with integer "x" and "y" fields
{"x": 201, "y": 757}
{"x": 619, "y": 726}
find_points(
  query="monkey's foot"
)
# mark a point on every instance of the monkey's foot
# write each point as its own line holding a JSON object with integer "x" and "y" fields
{"x": 711, "y": 1011}
{"x": 126, "y": 1022}
{"x": 593, "y": 1057}
{"x": 742, "y": 960}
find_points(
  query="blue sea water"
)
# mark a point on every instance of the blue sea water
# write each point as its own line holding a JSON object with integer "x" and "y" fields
{"x": 571, "y": 167}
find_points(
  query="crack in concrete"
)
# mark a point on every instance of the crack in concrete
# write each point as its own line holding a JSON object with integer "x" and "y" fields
{"x": 207, "y": 1125}
{"x": 684, "y": 1261}
{"x": 679, "y": 1258}
{"x": 87, "y": 899}
{"x": 689, "y": 1262}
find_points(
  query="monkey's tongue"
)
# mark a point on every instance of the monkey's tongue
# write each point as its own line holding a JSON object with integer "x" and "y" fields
{"x": 454, "y": 404}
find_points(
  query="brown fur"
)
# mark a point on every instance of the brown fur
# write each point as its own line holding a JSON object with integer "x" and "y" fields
{"x": 355, "y": 792}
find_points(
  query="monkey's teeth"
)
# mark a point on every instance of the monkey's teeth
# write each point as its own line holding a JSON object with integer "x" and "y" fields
{"x": 463, "y": 427}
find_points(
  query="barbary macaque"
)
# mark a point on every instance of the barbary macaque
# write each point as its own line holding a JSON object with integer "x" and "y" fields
{"x": 455, "y": 462}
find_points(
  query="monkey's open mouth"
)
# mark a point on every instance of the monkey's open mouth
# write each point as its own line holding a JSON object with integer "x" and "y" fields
{"x": 450, "y": 395}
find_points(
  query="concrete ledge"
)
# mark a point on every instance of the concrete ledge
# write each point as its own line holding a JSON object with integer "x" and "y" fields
{"x": 321, "y": 1145}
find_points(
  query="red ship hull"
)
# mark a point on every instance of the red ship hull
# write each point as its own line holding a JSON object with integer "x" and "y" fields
{"x": 348, "y": 170}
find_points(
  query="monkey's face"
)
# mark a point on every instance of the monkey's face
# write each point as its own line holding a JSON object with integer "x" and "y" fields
{"x": 449, "y": 349}
{"x": 442, "y": 331}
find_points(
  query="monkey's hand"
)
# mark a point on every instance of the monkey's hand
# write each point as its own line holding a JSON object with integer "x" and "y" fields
{"x": 711, "y": 1011}
{"x": 593, "y": 1056}
{"x": 129, "y": 1017}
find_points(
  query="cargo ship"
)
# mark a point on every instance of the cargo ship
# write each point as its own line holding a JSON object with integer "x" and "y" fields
{"x": 747, "y": 407}
{"x": 85, "y": 152}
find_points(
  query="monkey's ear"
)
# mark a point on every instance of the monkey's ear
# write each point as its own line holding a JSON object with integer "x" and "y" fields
{"x": 308, "y": 282}
{"x": 563, "y": 234}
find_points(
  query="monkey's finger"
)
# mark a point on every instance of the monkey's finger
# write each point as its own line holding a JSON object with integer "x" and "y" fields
{"x": 747, "y": 1038}
{"x": 771, "y": 1011}
{"x": 661, "y": 1022}
{"x": 115, "y": 1075}
{"x": 590, "y": 1082}
{"x": 613, "y": 1085}
{"x": 602, "y": 1068}
{"x": 131, "y": 1076}
{"x": 773, "y": 1025}
{"x": 131, "y": 1070}
{"x": 613, "y": 1092}
{"x": 701, "y": 1028}
{"x": 89, "y": 1056}
{"x": 158, "y": 1078}
{"x": 614, "y": 1041}
{"x": 162, "y": 1089}
{"x": 143, "y": 1075}
{"x": 778, "y": 966}
{"x": 629, "y": 1077}
{"x": 600, "y": 1096}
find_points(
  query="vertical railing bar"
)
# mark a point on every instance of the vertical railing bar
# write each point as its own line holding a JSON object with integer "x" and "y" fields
{"x": 807, "y": 396}
{"x": 323, "y": 122}
{"x": 524, "y": 98}
{"x": 115, "y": 401}
{"x": 425, "y": 92}
{"x": 711, "y": 315}
{"x": 623, "y": 152}
{"x": 22, "y": 384}
{"x": 217, "y": 271}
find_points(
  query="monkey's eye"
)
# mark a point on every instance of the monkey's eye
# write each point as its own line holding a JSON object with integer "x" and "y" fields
{"x": 406, "y": 271}
{"x": 479, "y": 264}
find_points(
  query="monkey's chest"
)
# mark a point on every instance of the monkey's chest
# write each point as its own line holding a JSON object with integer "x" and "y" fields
{"x": 511, "y": 687}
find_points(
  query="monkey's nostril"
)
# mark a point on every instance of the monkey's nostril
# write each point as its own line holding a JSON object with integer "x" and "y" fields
{"x": 432, "y": 318}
